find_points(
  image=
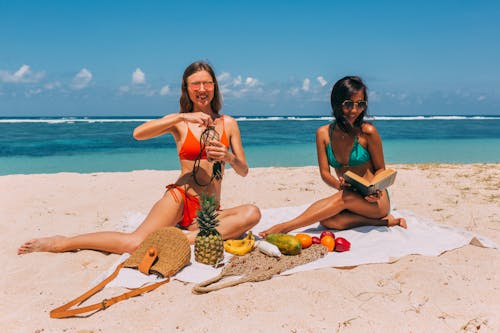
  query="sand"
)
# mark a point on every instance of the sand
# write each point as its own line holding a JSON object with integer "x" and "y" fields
{"x": 456, "y": 292}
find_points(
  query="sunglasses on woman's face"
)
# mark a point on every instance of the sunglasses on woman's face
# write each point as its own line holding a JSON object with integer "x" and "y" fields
{"x": 349, "y": 105}
{"x": 209, "y": 85}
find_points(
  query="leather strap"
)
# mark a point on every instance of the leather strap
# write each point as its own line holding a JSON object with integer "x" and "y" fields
{"x": 146, "y": 262}
{"x": 65, "y": 310}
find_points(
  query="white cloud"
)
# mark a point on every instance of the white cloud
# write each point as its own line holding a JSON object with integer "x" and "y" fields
{"x": 124, "y": 89}
{"x": 238, "y": 86}
{"x": 294, "y": 91}
{"x": 52, "y": 85}
{"x": 32, "y": 92}
{"x": 321, "y": 81}
{"x": 306, "y": 84}
{"x": 237, "y": 81}
{"x": 251, "y": 82}
{"x": 23, "y": 75}
{"x": 81, "y": 79}
{"x": 373, "y": 96}
{"x": 402, "y": 96}
{"x": 25, "y": 69}
{"x": 481, "y": 98}
{"x": 165, "y": 90}
{"x": 138, "y": 76}
{"x": 224, "y": 76}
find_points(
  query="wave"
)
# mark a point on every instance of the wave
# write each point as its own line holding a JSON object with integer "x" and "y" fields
{"x": 370, "y": 118}
{"x": 71, "y": 120}
{"x": 271, "y": 118}
{"x": 434, "y": 118}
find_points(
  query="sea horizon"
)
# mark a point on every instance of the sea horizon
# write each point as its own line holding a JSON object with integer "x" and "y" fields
{"x": 88, "y": 144}
{"x": 104, "y": 118}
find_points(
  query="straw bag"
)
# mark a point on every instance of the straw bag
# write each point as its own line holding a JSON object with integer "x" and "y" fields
{"x": 256, "y": 266}
{"x": 164, "y": 252}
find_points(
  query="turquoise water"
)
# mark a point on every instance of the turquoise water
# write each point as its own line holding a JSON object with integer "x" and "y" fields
{"x": 87, "y": 145}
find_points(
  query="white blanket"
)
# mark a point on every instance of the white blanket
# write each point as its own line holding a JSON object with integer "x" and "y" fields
{"x": 368, "y": 245}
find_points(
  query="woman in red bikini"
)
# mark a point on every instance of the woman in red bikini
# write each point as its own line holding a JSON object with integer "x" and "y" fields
{"x": 200, "y": 104}
{"x": 349, "y": 143}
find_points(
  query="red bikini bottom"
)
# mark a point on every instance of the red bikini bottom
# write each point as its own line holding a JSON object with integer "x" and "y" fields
{"x": 191, "y": 205}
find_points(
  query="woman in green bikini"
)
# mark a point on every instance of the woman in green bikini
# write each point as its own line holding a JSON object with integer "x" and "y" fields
{"x": 349, "y": 143}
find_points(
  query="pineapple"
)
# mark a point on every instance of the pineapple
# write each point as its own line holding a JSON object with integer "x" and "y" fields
{"x": 208, "y": 244}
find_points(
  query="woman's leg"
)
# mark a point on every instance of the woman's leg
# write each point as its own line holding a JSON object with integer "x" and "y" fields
{"x": 165, "y": 212}
{"x": 348, "y": 220}
{"x": 330, "y": 207}
{"x": 233, "y": 222}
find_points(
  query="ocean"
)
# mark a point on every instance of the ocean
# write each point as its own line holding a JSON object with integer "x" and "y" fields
{"x": 105, "y": 144}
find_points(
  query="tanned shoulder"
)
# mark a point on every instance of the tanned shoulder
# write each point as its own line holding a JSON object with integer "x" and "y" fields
{"x": 229, "y": 121}
{"x": 322, "y": 132}
{"x": 368, "y": 129}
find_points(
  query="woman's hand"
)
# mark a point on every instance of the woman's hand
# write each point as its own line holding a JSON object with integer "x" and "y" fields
{"x": 216, "y": 151}
{"x": 343, "y": 184}
{"x": 373, "y": 197}
{"x": 200, "y": 118}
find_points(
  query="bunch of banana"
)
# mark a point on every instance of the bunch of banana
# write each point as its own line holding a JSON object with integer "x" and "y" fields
{"x": 240, "y": 246}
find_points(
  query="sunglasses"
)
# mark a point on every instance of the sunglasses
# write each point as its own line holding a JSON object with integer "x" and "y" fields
{"x": 209, "y": 85}
{"x": 349, "y": 105}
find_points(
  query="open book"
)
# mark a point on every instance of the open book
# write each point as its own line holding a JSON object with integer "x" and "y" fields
{"x": 381, "y": 181}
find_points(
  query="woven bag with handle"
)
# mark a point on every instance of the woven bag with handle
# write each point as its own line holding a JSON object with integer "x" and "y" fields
{"x": 164, "y": 253}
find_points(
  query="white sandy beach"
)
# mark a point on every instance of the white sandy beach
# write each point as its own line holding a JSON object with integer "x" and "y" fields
{"x": 458, "y": 291}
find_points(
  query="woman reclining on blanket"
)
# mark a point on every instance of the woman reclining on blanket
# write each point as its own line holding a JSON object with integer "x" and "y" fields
{"x": 349, "y": 143}
{"x": 200, "y": 103}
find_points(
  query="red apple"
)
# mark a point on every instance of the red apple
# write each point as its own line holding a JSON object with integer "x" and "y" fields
{"x": 327, "y": 233}
{"x": 316, "y": 240}
{"x": 342, "y": 244}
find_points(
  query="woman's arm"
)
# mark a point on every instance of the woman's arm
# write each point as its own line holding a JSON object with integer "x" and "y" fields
{"x": 157, "y": 127}
{"x": 324, "y": 168}
{"x": 167, "y": 124}
{"x": 236, "y": 157}
{"x": 374, "y": 147}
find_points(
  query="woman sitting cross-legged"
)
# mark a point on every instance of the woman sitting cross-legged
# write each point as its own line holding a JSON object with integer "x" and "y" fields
{"x": 349, "y": 143}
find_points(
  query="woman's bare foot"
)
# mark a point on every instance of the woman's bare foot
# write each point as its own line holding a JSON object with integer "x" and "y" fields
{"x": 276, "y": 229}
{"x": 45, "y": 244}
{"x": 392, "y": 221}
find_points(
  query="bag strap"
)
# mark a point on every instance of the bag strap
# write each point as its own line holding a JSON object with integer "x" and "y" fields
{"x": 207, "y": 286}
{"x": 65, "y": 310}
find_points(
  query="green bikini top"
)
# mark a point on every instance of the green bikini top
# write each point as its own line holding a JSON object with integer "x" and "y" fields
{"x": 359, "y": 155}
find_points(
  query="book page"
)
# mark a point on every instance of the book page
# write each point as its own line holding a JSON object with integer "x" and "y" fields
{"x": 380, "y": 176}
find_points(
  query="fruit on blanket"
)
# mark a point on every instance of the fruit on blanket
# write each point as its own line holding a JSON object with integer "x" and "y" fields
{"x": 326, "y": 233}
{"x": 208, "y": 244}
{"x": 329, "y": 242}
{"x": 342, "y": 244}
{"x": 316, "y": 240}
{"x": 305, "y": 240}
{"x": 287, "y": 244}
{"x": 268, "y": 248}
{"x": 240, "y": 247}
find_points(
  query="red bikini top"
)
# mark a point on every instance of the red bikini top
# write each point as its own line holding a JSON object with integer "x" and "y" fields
{"x": 190, "y": 149}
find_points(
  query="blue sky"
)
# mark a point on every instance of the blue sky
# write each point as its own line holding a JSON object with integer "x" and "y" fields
{"x": 112, "y": 58}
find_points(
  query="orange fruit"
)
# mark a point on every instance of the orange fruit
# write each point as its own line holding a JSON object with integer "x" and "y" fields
{"x": 305, "y": 240}
{"x": 329, "y": 242}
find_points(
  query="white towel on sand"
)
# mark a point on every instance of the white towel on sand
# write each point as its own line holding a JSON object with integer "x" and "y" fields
{"x": 368, "y": 245}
